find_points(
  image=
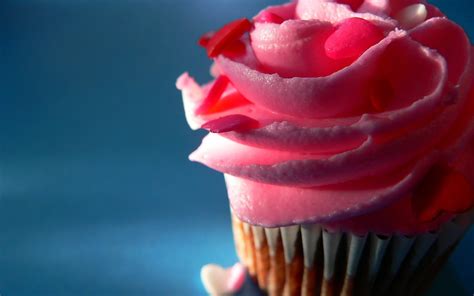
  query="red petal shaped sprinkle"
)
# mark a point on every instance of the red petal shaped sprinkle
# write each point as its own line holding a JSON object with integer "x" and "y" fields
{"x": 204, "y": 39}
{"x": 442, "y": 190}
{"x": 230, "y": 101}
{"x": 215, "y": 93}
{"x": 354, "y": 4}
{"x": 226, "y": 35}
{"x": 268, "y": 17}
{"x": 235, "y": 122}
{"x": 352, "y": 38}
{"x": 235, "y": 49}
{"x": 381, "y": 92}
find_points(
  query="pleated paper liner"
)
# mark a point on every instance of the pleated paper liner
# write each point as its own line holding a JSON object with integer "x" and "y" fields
{"x": 310, "y": 260}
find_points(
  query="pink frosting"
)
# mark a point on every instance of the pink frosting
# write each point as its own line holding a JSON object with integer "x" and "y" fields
{"x": 351, "y": 111}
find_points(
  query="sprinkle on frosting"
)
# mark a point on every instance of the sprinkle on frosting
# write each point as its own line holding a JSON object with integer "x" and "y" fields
{"x": 352, "y": 37}
{"x": 411, "y": 16}
{"x": 215, "y": 93}
{"x": 443, "y": 189}
{"x": 226, "y": 36}
{"x": 269, "y": 17}
{"x": 229, "y": 123}
{"x": 204, "y": 39}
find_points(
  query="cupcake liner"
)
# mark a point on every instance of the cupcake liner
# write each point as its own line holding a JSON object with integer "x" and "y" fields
{"x": 311, "y": 260}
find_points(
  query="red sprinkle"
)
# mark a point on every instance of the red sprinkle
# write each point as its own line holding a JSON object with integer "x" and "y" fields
{"x": 442, "y": 190}
{"x": 214, "y": 95}
{"x": 269, "y": 17}
{"x": 354, "y": 4}
{"x": 204, "y": 39}
{"x": 352, "y": 38}
{"x": 235, "y": 122}
{"x": 227, "y": 35}
{"x": 381, "y": 93}
{"x": 234, "y": 49}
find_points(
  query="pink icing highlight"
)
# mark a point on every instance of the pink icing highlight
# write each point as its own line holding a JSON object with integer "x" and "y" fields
{"x": 294, "y": 48}
{"x": 343, "y": 127}
{"x": 439, "y": 34}
{"x": 376, "y": 7}
{"x": 295, "y": 205}
{"x": 333, "y": 12}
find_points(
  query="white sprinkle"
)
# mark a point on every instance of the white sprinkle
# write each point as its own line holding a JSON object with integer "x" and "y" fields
{"x": 411, "y": 16}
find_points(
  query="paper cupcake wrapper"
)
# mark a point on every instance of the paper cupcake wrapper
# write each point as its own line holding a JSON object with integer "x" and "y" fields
{"x": 310, "y": 260}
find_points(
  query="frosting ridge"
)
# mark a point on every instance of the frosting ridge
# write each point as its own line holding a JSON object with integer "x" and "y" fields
{"x": 338, "y": 133}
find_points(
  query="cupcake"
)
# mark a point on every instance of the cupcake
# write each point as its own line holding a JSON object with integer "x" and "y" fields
{"x": 345, "y": 133}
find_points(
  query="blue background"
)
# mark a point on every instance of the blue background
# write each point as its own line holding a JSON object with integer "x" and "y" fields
{"x": 97, "y": 196}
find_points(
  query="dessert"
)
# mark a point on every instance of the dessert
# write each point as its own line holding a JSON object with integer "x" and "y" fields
{"x": 345, "y": 132}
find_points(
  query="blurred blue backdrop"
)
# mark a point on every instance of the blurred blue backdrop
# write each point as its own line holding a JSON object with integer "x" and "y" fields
{"x": 97, "y": 194}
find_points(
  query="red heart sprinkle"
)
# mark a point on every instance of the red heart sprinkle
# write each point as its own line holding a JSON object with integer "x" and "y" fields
{"x": 352, "y": 38}
{"x": 235, "y": 122}
{"x": 269, "y": 17}
{"x": 443, "y": 189}
{"x": 354, "y": 4}
{"x": 227, "y": 35}
{"x": 215, "y": 93}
